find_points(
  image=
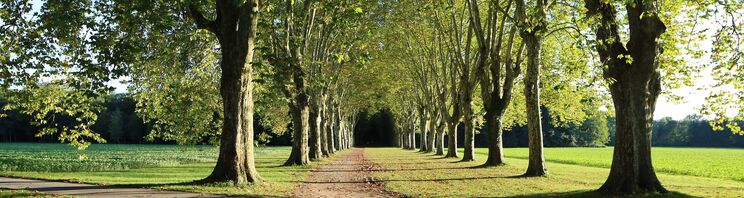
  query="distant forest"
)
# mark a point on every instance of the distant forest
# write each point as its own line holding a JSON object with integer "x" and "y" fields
{"x": 119, "y": 123}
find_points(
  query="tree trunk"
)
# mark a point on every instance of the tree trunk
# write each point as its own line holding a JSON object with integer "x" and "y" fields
{"x": 451, "y": 139}
{"x": 631, "y": 171}
{"x": 329, "y": 130}
{"x": 322, "y": 117}
{"x": 235, "y": 163}
{"x": 413, "y": 140}
{"x": 469, "y": 147}
{"x": 424, "y": 129}
{"x": 300, "y": 122}
{"x": 495, "y": 144}
{"x": 536, "y": 165}
{"x": 432, "y": 135}
{"x": 440, "y": 139}
{"x": 636, "y": 86}
{"x": 315, "y": 147}
{"x": 336, "y": 128}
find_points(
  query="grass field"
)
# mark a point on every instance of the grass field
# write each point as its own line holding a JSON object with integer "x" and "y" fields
{"x": 574, "y": 172}
{"x": 155, "y": 166}
{"x": 22, "y": 193}
{"x": 705, "y": 162}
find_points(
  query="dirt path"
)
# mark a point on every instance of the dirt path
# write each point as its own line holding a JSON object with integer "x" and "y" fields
{"x": 346, "y": 176}
{"x": 88, "y": 190}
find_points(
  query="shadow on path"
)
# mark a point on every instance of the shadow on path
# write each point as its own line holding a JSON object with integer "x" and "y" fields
{"x": 90, "y": 190}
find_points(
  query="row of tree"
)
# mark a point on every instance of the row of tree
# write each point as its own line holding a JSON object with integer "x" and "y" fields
{"x": 196, "y": 66}
{"x": 195, "y": 69}
{"x": 463, "y": 61}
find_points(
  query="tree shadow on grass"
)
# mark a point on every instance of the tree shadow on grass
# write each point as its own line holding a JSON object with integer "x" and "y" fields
{"x": 416, "y": 180}
{"x": 594, "y": 193}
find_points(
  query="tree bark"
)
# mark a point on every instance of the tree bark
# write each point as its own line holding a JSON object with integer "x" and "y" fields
{"x": 495, "y": 143}
{"x": 432, "y": 135}
{"x": 329, "y": 129}
{"x": 440, "y": 139}
{"x": 315, "y": 147}
{"x": 300, "y": 121}
{"x": 469, "y": 147}
{"x": 322, "y": 116}
{"x": 424, "y": 135}
{"x": 635, "y": 88}
{"x": 531, "y": 33}
{"x": 235, "y": 29}
{"x": 451, "y": 140}
{"x": 536, "y": 165}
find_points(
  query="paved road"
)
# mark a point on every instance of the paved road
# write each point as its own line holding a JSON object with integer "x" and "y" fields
{"x": 88, "y": 190}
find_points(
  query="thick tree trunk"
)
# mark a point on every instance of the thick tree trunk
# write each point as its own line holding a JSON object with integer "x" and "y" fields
{"x": 336, "y": 127}
{"x": 451, "y": 139}
{"x": 412, "y": 137}
{"x": 536, "y": 165}
{"x": 431, "y": 135}
{"x": 399, "y": 141}
{"x": 329, "y": 131}
{"x": 495, "y": 144}
{"x": 315, "y": 147}
{"x": 440, "y": 138}
{"x": 323, "y": 130}
{"x": 424, "y": 129}
{"x": 300, "y": 122}
{"x": 632, "y": 171}
{"x": 235, "y": 163}
{"x": 469, "y": 147}
{"x": 635, "y": 88}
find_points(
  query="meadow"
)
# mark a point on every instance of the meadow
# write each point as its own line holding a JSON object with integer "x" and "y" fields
{"x": 705, "y": 162}
{"x": 153, "y": 166}
{"x": 573, "y": 172}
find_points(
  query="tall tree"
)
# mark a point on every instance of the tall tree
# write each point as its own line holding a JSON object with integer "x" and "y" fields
{"x": 633, "y": 72}
{"x": 493, "y": 58}
{"x": 532, "y": 28}
{"x": 235, "y": 28}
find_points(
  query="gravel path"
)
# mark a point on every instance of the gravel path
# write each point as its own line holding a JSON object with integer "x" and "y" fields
{"x": 346, "y": 176}
{"x": 88, "y": 190}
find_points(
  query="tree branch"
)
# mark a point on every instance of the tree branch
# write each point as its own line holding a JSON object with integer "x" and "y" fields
{"x": 201, "y": 21}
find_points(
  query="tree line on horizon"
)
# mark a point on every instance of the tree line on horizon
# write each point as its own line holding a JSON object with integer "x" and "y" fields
{"x": 120, "y": 124}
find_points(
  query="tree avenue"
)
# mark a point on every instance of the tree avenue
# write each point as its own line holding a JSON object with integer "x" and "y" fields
{"x": 209, "y": 71}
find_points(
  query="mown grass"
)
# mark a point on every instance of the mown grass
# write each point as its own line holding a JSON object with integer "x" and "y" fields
{"x": 425, "y": 175}
{"x": 23, "y": 193}
{"x": 705, "y": 162}
{"x": 152, "y": 166}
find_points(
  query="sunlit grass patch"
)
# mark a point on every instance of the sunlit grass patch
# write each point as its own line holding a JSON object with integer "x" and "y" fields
{"x": 425, "y": 175}
{"x": 168, "y": 167}
{"x": 705, "y": 162}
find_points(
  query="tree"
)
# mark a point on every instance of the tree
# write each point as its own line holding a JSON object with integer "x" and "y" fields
{"x": 494, "y": 56}
{"x": 633, "y": 72}
{"x": 104, "y": 40}
{"x": 115, "y": 127}
{"x": 532, "y": 28}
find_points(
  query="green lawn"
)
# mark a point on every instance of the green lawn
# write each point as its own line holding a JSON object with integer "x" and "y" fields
{"x": 705, "y": 162}
{"x": 425, "y": 175}
{"x": 155, "y": 166}
{"x": 23, "y": 193}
